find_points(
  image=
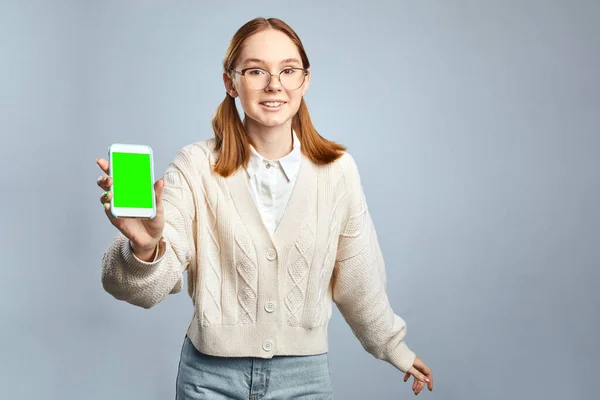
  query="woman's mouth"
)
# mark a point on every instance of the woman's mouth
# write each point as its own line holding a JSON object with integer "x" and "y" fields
{"x": 272, "y": 105}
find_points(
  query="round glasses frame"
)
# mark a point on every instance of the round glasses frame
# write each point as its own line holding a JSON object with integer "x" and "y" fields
{"x": 243, "y": 73}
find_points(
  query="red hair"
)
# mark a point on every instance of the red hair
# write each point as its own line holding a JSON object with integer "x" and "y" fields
{"x": 232, "y": 141}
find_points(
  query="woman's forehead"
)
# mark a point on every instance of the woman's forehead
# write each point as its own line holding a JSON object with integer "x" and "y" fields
{"x": 269, "y": 47}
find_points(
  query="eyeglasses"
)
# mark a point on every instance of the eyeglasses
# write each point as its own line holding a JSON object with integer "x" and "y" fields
{"x": 259, "y": 79}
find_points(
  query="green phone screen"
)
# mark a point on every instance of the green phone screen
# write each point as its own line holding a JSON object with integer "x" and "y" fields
{"x": 132, "y": 180}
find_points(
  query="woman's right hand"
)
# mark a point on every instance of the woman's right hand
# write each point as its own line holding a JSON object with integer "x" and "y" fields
{"x": 144, "y": 234}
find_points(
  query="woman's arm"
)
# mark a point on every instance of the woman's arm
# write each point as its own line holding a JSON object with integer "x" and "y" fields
{"x": 359, "y": 280}
{"x": 145, "y": 284}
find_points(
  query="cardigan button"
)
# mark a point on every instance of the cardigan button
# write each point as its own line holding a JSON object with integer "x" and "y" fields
{"x": 270, "y": 307}
{"x": 267, "y": 345}
{"x": 271, "y": 255}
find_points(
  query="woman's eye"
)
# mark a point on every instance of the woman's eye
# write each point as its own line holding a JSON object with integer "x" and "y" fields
{"x": 289, "y": 70}
{"x": 255, "y": 72}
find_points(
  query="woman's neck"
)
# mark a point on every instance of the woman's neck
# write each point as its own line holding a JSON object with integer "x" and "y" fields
{"x": 272, "y": 143}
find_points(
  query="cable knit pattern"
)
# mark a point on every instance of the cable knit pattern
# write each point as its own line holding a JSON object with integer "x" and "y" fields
{"x": 257, "y": 294}
{"x": 297, "y": 272}
{"x": 247, "y": 278}
{"x": 212, "y": 286}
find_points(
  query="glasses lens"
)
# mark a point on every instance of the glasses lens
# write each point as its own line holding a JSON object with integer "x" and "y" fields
{"x": 292, "y": 78}
{"x": 256, "y": 79}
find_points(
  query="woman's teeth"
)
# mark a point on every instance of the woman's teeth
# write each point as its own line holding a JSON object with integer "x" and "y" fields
{"x": 272, "y": 104}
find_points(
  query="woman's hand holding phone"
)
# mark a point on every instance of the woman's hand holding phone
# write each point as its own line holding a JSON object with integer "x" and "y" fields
{"x": 144, "y": 234}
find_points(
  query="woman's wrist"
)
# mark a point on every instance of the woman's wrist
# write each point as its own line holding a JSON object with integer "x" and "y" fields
{"x": 146, "y": 254}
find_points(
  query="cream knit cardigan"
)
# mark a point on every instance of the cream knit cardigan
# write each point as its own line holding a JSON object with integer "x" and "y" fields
{"x": 259, "y": 296}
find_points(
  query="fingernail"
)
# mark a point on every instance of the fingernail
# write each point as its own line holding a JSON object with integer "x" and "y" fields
{"x": 426, "y": 379}
{"x": 105, "y": 194}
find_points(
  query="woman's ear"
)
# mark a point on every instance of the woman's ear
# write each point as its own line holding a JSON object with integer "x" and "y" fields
{"x": 229, "y": 86}
{"x": 306, "y": 84}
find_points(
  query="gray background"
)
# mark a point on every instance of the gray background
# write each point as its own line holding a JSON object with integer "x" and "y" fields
{"x": 476, "y": 127}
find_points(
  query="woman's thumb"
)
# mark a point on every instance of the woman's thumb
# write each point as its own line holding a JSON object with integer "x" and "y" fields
{"x": 159, "y": 185}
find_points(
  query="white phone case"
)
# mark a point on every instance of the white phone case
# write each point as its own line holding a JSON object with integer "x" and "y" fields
{"x": 123, "y": 212}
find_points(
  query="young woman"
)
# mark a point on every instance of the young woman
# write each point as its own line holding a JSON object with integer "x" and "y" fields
{"x": 270, "y": 222}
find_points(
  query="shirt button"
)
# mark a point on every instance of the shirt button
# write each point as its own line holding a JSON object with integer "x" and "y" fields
{"x": 267, "y": 345}
{"x": 271, "y": 255}
{"x": 269, "y": 165}
{"x": 270, "y": 307}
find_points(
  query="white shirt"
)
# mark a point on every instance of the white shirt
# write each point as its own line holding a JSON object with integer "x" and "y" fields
{"x": 272, "y": 181}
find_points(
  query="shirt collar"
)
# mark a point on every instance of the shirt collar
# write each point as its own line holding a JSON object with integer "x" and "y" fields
{"x": 290, "y": 164}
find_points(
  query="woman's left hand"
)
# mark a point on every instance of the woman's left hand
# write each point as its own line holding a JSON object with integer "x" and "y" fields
{"x": 422, "y": 375}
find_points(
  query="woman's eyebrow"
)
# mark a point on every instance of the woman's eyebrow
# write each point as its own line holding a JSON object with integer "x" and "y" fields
{"x": 258, "y": 61}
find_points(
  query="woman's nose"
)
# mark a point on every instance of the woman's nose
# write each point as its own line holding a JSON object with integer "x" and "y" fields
{"x": 275, "y": 83}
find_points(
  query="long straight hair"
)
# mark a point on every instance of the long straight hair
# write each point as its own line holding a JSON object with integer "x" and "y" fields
{"x": 232, "y": 141}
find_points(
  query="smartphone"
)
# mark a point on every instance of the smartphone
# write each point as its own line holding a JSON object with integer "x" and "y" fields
{"x": 131, "y": 167}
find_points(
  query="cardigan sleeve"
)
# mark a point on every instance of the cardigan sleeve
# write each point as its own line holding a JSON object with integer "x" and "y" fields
{"x": 145, "y": 284}
{"x": 359, "y": 280}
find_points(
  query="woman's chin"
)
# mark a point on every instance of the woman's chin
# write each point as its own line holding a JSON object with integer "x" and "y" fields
{"x": 270, "y": 121}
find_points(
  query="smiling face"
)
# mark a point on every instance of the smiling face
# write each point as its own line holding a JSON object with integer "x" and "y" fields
{"x": 275, "y": 105}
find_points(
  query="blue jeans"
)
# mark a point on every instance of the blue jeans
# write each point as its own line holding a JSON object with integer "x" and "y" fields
{"x": 202, "y": 376}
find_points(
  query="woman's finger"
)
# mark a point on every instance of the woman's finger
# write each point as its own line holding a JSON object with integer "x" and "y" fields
{"x": 406, "y": 376}
{"x": 420, "y": 386}
{"x": 420, "y": 365}
{"x": 104, "y": 181}
{"x": 117, "y": 223}
{"x": 105, "y": 200}
{"x": 103, "y": 164}
{"x": 105, "y": 197}
{"x": 418, "y": 375}
{"x": 159, "y": 185}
